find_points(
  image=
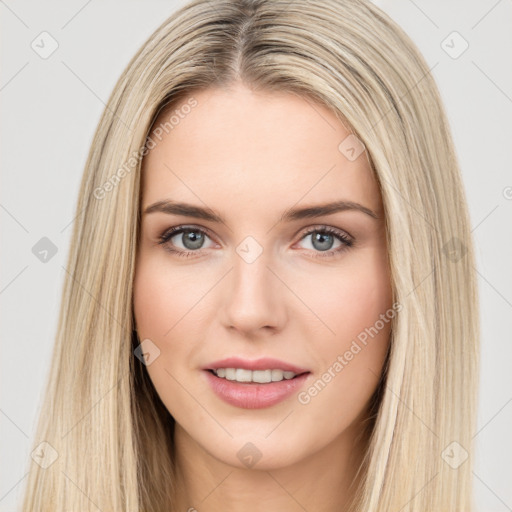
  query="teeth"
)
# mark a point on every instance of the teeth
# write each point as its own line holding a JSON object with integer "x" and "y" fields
{"x": 262, "y": 376}
{"x": 243, "y": 375}
{"x": 277, "y": 375}
{"x": 259, "y": 376}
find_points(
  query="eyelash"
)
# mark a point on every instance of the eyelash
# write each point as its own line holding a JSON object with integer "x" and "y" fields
{"x": 325, "y": 230}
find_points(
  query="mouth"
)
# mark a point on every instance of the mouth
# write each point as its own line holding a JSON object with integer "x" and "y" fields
{"x": 254, "y": 384}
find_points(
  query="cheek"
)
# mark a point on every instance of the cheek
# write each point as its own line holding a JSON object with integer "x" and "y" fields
{"x": 355, "y": 303}
{"x": 362, "y": 297}
{"x": 350, "y": 361}
{"x": 162, "y": 296}
{"x": 160, "y": 306}
{"x": 352, "y": 297}
{"x": 152, "y": 300}
{"x": 162, "y": 299}
{"x": 171, "y": 308}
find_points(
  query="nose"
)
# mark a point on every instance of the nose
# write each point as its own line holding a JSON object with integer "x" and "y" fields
{"x": 254, "y": 301}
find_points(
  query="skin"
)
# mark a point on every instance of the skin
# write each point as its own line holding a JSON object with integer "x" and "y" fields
{"x": 250, "y": 156}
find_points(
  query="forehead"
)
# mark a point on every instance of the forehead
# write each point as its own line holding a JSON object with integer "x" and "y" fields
{"x": 241, "y": 147}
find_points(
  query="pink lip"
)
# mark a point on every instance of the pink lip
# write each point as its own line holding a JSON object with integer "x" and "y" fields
{"x": 265, "y": 363}
{"x": 250, "y": 395}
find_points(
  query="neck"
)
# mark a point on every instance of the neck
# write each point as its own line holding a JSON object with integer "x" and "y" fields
{"x": 323, "y": 481}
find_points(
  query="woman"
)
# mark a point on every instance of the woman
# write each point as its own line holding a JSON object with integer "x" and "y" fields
{"x": 271, "y": 301}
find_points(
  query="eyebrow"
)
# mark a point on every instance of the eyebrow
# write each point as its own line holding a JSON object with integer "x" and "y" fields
{"x": 307, "y": 212}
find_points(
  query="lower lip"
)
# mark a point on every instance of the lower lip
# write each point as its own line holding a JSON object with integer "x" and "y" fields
{"x": 249, "y": 395}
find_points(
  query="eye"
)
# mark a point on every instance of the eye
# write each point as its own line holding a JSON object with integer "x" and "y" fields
{"x": 323, "y": 239}
{"x": 191, "y": 238}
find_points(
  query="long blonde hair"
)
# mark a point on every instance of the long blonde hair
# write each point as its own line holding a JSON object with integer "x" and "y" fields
{"x": 109, "y": 438}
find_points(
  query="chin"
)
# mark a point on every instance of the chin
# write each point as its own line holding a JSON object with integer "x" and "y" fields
{"x": 256, "y": 452}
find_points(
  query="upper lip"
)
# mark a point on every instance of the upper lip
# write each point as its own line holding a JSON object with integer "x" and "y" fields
{"x": 265, "y": 363}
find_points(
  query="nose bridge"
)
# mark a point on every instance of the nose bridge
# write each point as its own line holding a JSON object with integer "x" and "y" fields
{"x": 253, "y": 297}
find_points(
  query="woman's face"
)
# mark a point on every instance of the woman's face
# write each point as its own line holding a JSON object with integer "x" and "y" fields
{"x": 257, "y": 277}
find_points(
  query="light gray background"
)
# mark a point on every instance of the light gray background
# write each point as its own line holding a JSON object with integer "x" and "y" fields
{"x": 50, "y": 109}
